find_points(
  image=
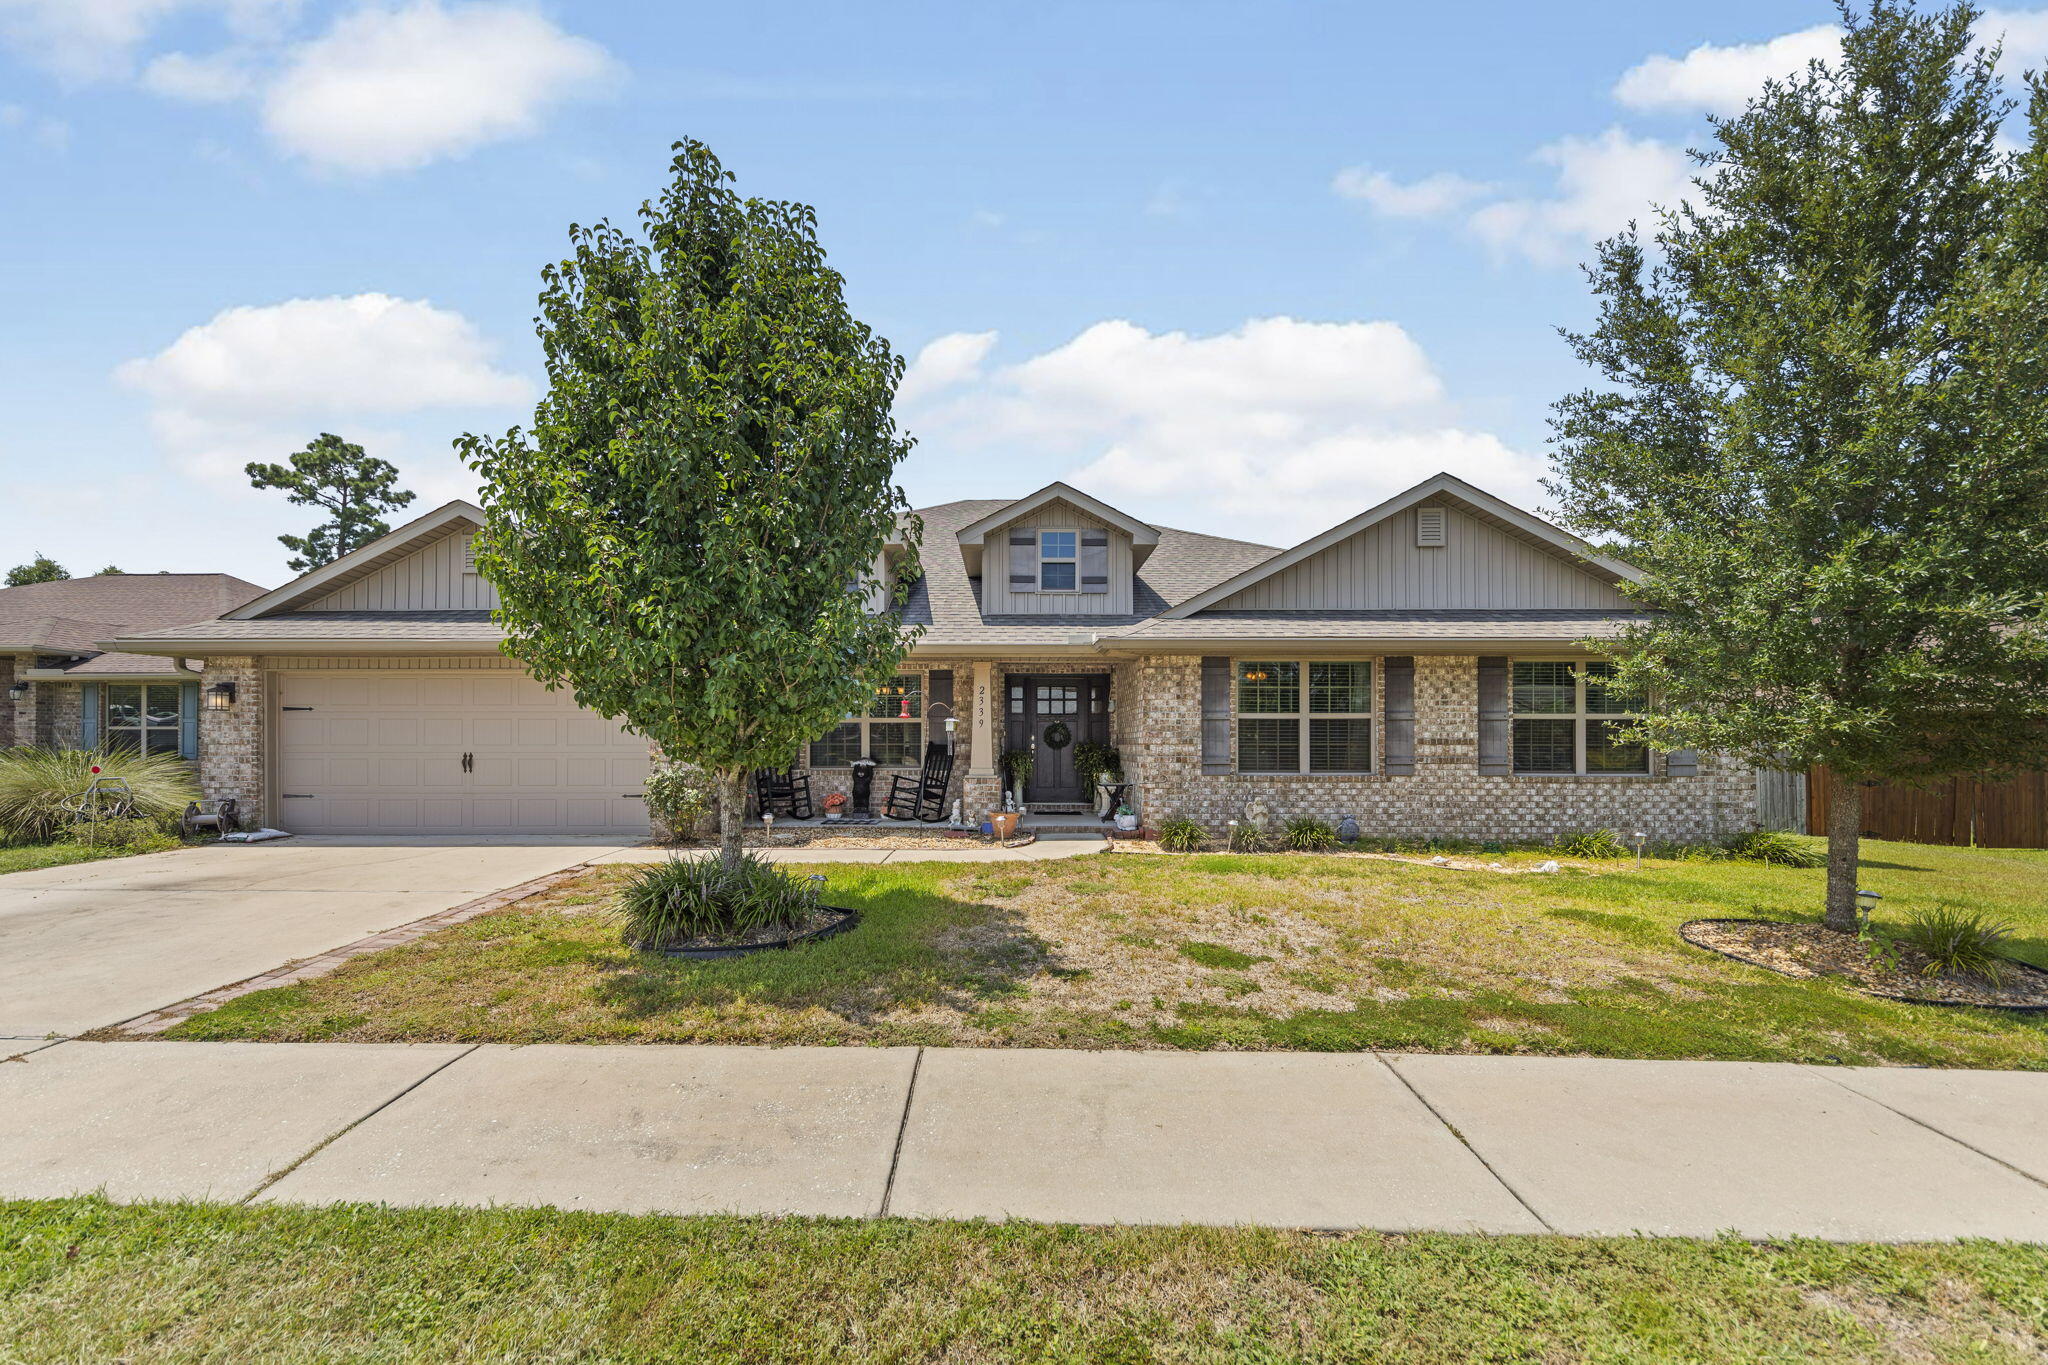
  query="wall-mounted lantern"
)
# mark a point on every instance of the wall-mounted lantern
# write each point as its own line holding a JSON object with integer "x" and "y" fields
{"x": 18, "y": 692}
{"x": 220, "y": 696}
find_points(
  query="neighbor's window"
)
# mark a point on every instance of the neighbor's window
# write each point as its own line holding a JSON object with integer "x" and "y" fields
{"x": 142, "y": 717}
{"x": 1311, "y": 716}
{"x": 1567, "y": 714}
{"x": 1059, "y": 565}
{"x": 889, "y": 732}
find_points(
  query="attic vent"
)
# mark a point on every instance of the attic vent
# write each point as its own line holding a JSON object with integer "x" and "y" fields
{"x": 469, "y": 554}
{"x": 1429, "y": 527}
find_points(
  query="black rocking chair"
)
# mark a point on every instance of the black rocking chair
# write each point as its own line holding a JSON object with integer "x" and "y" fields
{"x": 922, "y": 797}
{"x": 787, "y": 792}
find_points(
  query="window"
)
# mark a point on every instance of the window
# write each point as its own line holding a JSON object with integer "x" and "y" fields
{"x": 1277, "y": 698}
{"x": 1059, "y": 563}
{"x": 143, "y": 717}
{"x": 1567, "y": 716}
{"x": 890, "y": 732}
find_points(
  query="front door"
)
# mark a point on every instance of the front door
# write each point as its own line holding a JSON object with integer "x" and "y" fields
{"x": 1050, "y": 715}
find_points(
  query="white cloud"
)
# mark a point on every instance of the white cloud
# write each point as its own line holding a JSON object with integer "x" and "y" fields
{"x": 1429, "y": 197}
{"x": 1719, "y": 80}
{"x": 393, "y": 89}
{"x": 97, "y": 39}
{"x": 946, "y": 363}
{"x": 1270, "y": 431}
{"x": 213, "y": 79}
{"x": 51, "y": 134}
{"x": 257, "y": 381}
{"x": 1602, "y": 184}
{"x": 2024, "y": 34}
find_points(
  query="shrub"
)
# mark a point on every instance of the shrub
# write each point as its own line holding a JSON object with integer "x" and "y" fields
{"x": 1958, "y": 942}
{"x": 1181, "y": 835}
{"x": 1777, "y": 847}
{"x": 38, "y": 785}
{"x": 1246, "y": 837}
{"x": 680, "y": 796}
{"x": 1592, "y": 844}
{"x": 681, "y": 899}
{"x": 137, "y": 836}
{"x": 1306, "y": 834}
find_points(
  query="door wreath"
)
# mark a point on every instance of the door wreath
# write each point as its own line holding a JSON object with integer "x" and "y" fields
{"x": 1058, "y": 736}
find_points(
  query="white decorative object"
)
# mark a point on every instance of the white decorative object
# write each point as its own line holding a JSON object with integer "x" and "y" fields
{"x": 956, "y": 806}
{"x": 1127, "y": 822}
{"x": 1439, "y": 860}
{"x": 1548, "y": 865}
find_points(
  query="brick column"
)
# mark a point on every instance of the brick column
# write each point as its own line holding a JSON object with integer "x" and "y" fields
{"x": 231, "y": 742}
{"x": 26, "y": 714}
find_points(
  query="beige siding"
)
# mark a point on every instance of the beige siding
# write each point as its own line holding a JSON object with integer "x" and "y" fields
{"x": 393, "y": 662}
{"x": 431, "y": 578}
{"x": 998, "y": 600}
{"x": 1381, "y": 568}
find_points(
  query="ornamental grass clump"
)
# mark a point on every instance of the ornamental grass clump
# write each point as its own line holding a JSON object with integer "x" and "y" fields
{"x": 1959, "y": 942}
{"x": 1594, "y": 844}
{"x": 1306, "y": 834}
{"x": 1181, "y": 835}
{"x": 41, "y": 789}
{"x": 680, "y": 900}
{"x": 1775, "y": 847}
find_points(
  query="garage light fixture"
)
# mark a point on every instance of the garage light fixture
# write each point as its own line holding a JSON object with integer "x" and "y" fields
{"x": 18, "y": 692}
{"x": 220, "y": 696}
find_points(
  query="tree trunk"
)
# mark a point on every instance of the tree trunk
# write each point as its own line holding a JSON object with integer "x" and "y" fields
{"x": 732, "y": 814}
{"x": 1845, "y": 829}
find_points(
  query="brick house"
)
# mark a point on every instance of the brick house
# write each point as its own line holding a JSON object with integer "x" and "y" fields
{"x": 64, "y": 690}
{"x": 1423, "y": 667}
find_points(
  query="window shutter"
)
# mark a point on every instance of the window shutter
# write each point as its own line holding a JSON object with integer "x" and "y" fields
{"x": 1095, "y": 561}
{"x": 1682, "y": 763}
{"x": 89, "y": 715}
{"x": 1024, "y": 559}
{"x": 188, "y": 720}
{"x": 1215, "y": 715}
{"x": 1495, "y": 724}
{"x": 1400, "y": 730}
{"x": 938, "y": 692}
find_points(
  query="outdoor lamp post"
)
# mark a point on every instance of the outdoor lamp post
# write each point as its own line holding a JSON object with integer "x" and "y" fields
{"x": 1866, "y": 903}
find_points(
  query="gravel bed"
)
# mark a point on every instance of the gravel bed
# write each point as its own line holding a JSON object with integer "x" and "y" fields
{"x": 1810, "y": 950}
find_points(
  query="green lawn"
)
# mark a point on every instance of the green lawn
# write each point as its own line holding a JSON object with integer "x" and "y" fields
{"x": 1208, "y": 951}
{"x": 85, "y": 1280}
{"x": 26, "y": 857}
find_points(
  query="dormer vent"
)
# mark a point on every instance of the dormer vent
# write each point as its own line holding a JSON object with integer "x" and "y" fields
{"x": 469, "y": 554}
{"x": 1430, "y": 527}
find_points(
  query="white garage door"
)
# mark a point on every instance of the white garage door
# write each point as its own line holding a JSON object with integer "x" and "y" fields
{"x": 455, "y": 752}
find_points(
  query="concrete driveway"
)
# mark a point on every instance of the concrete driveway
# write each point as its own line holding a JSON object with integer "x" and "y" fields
{"x": 96, "y": 943}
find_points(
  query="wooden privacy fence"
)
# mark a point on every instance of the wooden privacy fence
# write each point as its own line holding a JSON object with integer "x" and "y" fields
{"x": 2010, "y": 814}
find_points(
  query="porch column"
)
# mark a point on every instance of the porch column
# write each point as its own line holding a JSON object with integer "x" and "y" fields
{"x": 982, "y": 746}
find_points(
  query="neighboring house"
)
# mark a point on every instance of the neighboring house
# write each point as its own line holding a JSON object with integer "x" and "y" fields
{"x": 1417, "y": 667}
{"x": 65, "y": 690}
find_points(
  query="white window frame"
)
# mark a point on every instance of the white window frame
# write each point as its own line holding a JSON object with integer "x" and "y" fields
{"x": 1073, "y": 559}
{"x": 865, "y": 721}
{"x": 1304, "y": 718}
{"x": 1579, "y": 716}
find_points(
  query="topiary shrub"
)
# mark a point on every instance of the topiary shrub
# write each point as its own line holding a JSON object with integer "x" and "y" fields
{"x": 1181, "y": 835}
{"x": 1593, "y": 844}
{"x": 1958, "y": 942}
{"x": 1306, "y": 834}
{"x": 670, "y": 902}
{"x": 1776, "y": 847}
{"x": 40, "y": 787}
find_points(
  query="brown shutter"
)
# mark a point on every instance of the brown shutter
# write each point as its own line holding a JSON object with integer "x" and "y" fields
{"x": 1496, "y": 754}
{"x": 938, "y": 705}
{"x": 1682, "y": 763}
{"x": 1023, "y": 559}
{"x": 1094, "y": 566}
{"x": 1400, "y": 733}
{"x": 1215, "y": 715}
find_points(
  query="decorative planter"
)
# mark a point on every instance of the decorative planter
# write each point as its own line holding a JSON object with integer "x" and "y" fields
{"x": 1003, "y": 823}
{"x": 843, "y": 919}
{"x": 1127, "y": 823}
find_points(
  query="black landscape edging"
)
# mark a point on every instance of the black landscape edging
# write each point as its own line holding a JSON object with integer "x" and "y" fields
{"x": 847, "y": 920}
{"x": 1860, "y": 990}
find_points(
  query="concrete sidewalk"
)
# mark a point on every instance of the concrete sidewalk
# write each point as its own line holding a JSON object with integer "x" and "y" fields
{"x": 1398, "y": 1142}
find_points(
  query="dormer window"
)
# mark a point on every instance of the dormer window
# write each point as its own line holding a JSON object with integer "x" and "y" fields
{"x": 1059, "y": 561}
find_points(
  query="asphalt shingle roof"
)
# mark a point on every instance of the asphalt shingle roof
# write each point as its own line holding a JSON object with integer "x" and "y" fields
{"x": 430, "y": 626}
{"x": 72, "y": 615}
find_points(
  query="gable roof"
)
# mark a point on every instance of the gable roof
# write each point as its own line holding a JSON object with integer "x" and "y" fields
{"x": 1486, "y": 506}
{"x": 71, "y": 615}
{"x": 362, "y": 561}
{"x": 971, "y": 537}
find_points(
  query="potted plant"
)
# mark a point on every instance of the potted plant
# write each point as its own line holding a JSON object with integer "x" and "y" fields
{"x": 1094, "y": 764}
{"x": 1017, "y": 767}
{"x": 1126, "y": 819}
{"x": 835, "y": 805}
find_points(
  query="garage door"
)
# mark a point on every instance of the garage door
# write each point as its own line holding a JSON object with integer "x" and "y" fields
{"x": 455, "y": 752}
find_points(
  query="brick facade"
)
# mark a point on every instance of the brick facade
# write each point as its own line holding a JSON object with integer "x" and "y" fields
{"x": 60, "y": 717}
{"x": 233, "y": 749}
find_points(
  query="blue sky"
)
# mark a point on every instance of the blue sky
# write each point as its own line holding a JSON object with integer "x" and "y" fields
{"x": 1242, "y": 268}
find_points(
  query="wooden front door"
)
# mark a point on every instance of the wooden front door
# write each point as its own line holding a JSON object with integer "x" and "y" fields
{"x": 1050, "y": 714}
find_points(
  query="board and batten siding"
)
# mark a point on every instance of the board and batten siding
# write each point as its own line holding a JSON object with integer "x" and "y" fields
{"x": 431, "y": 578}
{"x": 1381, "y": 568}
{"x": 998, "y": 600}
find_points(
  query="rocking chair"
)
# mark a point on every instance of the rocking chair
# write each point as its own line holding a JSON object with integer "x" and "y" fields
{"x": 787, "y": 792}
{"x": 922, "y": 797}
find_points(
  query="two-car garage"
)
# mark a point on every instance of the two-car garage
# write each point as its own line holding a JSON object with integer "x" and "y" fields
{"x": 448, "y": 751}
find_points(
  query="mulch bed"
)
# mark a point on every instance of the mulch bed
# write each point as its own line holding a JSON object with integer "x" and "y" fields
{"x": 824, "y": 923}
{"x": 1811, "y": 950}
